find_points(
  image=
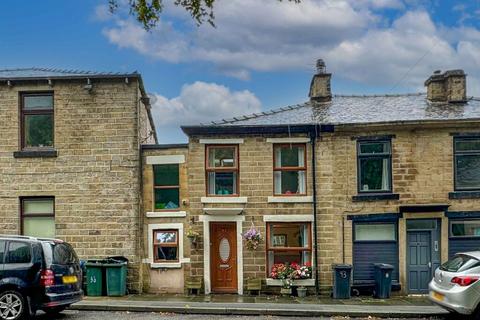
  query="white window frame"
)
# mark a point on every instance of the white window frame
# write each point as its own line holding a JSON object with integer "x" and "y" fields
{"x": 166, "y": 226}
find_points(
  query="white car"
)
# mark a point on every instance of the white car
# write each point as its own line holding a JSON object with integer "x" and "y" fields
{"x": 456, "y": 285}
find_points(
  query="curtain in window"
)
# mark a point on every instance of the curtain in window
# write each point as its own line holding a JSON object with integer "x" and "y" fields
{"x": 301, "y": 157}
{"x": 385, "y": 177}
{"x": 211, "y": 183}
{"x": 278, "y": 181}
{"x": 301, "y": 182}
{"x": 278, "y": 157}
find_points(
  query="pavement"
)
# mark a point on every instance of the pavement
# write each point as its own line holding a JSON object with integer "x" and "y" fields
{"x": 312, "y": 306}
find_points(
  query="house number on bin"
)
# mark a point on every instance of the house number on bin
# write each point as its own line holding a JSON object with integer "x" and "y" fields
{"x": 93, "y": 279}
{"x": 343, "y": 274}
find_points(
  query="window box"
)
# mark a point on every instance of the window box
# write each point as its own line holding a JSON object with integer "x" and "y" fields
{"x": 464, "y": 195}
{"x": 376, "y": 197}
{"x": 296, "y": 283}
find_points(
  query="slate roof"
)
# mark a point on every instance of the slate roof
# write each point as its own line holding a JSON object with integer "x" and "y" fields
{"x": 371, "y": 109}
{"x": 47, "y": 73}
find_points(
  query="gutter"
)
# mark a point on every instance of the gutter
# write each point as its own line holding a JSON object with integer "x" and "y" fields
{"x": 256, "y": 129}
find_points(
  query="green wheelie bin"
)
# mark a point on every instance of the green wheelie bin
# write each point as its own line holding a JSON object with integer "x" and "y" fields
{"x": 95, "y": 277}
{"x": 116, "y": 277}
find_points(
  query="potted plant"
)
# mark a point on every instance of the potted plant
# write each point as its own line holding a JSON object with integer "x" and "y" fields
{"x": 252, "y": 238}
{"x": 193, "y": 236}
{"x": 283, "y": 271}
{"x": 301, "y": 272}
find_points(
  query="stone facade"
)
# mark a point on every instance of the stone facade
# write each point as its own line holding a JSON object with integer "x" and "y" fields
{"x": 166, "y": 277}
{"x": 95, "y": 178}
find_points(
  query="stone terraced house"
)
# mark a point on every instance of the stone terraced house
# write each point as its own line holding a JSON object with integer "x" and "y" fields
{"x": 70, "y": 159}
{"x": 337, "y": 179}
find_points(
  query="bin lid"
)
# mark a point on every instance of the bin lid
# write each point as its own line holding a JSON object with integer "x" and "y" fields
{"x": 339, "y": 266}
{"x": 383, "y": 266}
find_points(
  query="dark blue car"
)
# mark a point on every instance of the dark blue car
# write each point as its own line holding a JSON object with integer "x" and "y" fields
{"x": 37, "y": 274}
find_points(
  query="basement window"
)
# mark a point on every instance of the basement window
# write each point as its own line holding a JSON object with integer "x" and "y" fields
{"x": 289, "y": 170}
{"x": 36, "y": 120}
{"x": 374, "y": 167}
{"x": 467, "y": 164}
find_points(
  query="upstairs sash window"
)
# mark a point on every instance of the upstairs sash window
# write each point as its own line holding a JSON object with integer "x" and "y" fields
{"x": 374, "y": 166}
{"x": 167, "y": 186}
{"x": 222, "y": 170}
{"x": 37, "y": 120}
{"x": 467, "y": 164}
{"x": 289, "y": 170}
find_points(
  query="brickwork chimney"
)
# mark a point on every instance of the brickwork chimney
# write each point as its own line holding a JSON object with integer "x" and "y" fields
{"x": 320, "y": 86}
{"x": 450, "y": 86}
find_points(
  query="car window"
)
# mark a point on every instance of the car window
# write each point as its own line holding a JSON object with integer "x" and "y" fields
{"x": 460, "y": 263}
{"x": 2, "y": 250}
{"x": 63, "y": 253}
{"x": 18, "y": 252}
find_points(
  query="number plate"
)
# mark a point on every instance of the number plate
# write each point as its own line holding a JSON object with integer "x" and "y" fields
{"x": 438, "y": 296}
{"x": 69, "y": 279}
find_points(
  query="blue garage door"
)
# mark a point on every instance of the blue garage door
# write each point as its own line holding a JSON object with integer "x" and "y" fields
{"x": 374, "y": 243}
{"x": 464, "y": 235}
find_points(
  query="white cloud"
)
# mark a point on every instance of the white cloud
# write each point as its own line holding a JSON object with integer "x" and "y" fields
{"x": 202, "y": 102}
{"x": 355, "y": 39}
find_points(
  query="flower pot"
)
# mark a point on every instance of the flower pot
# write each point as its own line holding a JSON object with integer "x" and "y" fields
{"x": 302, "y": 292}
{"x": 286, "y": 291}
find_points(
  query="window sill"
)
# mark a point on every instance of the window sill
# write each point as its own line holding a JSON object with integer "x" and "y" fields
{"x": 290, "y": 199}
{"x": 167, "y": 214}
{"x": 296, "y": 283}
{"x": 167, "y": 265}
{"x": 376, "y": 197}
{"x": 464, "y": 195}
{"x": 49, "y": 153}
{"x": 224, "y": 199}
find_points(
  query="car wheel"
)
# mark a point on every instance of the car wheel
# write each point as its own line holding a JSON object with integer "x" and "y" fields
{"x": 12, "y": 305}
{"x": 55, "y": 310}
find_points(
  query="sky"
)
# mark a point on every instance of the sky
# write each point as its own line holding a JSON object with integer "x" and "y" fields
{"x": 260, "y": 56}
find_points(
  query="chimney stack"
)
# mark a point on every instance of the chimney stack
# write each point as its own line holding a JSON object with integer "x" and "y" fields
{"x": 447, "y": 87}
{"x": 320, "y": 86}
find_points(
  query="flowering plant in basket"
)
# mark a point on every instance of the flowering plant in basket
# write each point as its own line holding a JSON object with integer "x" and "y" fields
{"x": 252, "y": 238}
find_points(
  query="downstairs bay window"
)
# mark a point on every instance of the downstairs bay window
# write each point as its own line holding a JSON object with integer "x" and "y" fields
{"x": 288, "y": 243}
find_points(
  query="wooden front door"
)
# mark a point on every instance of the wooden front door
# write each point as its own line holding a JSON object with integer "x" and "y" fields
{"x": 223, "y": 257}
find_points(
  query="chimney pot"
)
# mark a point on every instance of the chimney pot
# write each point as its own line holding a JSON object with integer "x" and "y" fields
{"x": 321, "y": 67}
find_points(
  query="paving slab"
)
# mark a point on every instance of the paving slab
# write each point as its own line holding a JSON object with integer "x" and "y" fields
{"x": 277, "y": 306}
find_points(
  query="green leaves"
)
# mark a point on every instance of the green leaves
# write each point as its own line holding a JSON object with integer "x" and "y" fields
{"x": 148, "y": 12}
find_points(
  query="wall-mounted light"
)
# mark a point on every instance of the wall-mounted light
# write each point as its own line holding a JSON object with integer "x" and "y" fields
{"x": 88, "y": 86}
{"x": 50, "y": 82}
{"x": 127, "y": 81}
{"x": 9, "y": 83}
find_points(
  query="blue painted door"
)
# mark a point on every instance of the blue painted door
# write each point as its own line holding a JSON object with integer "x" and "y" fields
{"x": 419, "y": 261}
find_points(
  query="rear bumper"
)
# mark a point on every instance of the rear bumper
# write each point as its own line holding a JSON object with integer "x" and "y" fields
{"x": 460, "y": 302}
{"x": 64, "y": 299}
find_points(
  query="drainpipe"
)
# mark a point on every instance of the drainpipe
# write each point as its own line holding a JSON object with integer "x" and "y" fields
{"x": 313, "y": 137}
